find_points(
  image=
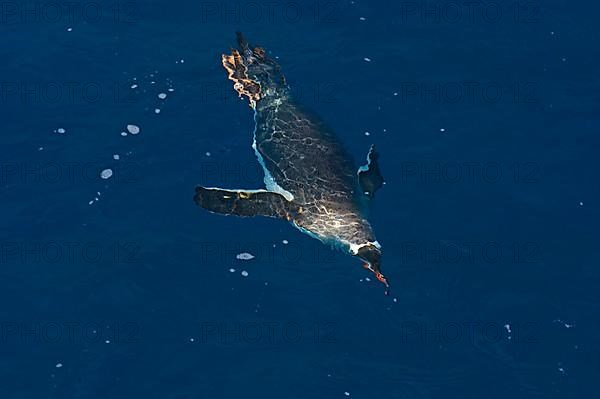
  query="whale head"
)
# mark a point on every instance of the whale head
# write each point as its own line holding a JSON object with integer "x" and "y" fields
{"x": 370, "y": 253}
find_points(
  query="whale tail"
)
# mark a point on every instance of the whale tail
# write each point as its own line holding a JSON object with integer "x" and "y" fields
{"x": 255, "y": 75}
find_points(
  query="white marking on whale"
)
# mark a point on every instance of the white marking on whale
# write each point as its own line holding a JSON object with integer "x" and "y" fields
{"x": 270, "y": 182}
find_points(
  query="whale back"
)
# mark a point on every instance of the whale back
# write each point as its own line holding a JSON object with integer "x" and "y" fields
{"x": 303, "y": 154}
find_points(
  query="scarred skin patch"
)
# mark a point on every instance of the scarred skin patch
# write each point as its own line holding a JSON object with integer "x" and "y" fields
{"x": 237, "y": 72}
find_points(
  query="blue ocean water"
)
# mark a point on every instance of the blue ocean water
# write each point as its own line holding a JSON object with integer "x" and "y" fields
{"x": 485, "y": 115}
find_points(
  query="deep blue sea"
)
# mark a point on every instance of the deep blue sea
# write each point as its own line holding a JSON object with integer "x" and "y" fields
{"x": 485, "y": 115}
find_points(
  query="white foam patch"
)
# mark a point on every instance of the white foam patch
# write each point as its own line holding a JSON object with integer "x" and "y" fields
{"x": 244, "y": 256}
{"x": 508, "y": 330}
{"x": 106, "y": 174}
{"x": 133, "y": 129}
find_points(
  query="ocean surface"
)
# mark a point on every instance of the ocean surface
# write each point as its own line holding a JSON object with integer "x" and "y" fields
{"x": 113, "y": 284}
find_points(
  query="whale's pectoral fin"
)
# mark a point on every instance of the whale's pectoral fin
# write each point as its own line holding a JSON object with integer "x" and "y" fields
{"x": 369, "y": 175}
{"x": 245, "y": 202}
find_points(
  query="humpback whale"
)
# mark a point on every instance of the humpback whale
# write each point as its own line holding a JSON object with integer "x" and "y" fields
{"x": 310, "y": 180}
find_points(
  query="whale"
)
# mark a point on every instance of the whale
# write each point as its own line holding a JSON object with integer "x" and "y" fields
{"x": 310, "y": 180}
